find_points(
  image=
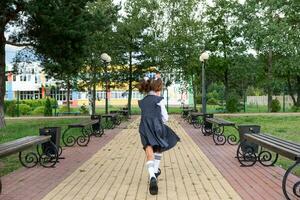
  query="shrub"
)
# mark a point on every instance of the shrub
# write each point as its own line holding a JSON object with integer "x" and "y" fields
{"x": 7, "y": 104}
{"x": 275, "y": 105}
{"x": 48, "y": 108}
{"x": 65, "y": 109}
{"x": 11, "y": 109}
{"x": 38, "y": 110}
{"x": 24, "y": 109}
{"x": 84, "y": 109}
{"x": 212, "y": 101}
{"x": 295, "y": 108}
{"x": 232, "y": 103}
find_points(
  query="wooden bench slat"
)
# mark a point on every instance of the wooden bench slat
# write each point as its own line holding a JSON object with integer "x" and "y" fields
{"x": 22, "y": 144}
{"x": 84, "y": 124}
{"x": 269, "y": 145}
{"x": 289, "y": 143}
{"x": 278, "y": 143}
{"x": 220, "y": 121}
{"x": 20, "y": 141}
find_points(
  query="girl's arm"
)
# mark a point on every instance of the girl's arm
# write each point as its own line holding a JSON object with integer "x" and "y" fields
{"x": 164, "y": 113}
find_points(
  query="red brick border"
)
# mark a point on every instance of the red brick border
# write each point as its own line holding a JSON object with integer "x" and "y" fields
{"x": 257, "y": 182}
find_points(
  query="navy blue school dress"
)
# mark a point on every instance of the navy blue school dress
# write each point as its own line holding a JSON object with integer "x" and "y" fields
{"x": 152, "y": 130}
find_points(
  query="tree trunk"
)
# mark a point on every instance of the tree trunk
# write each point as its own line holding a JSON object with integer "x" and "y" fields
{"x": 94, "y": 99}
{"x": 290, "y": 90}
{"x": 270, "y": 78}
{"x": 194, "y": 93}
{"x": 298, "y": 92}
{"x": 2, "y": 76}
{"x": 226, "y": 85}
{"x": 130, "y": 83}
{"x": 68, "y": 95}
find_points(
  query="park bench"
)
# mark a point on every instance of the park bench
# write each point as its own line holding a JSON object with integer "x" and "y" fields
{"x": 111, "y": 120}
{"x": 84, "y": 138}
{"x": 217, "y": 130}
{"x": 46, "y": 157}
{"x": 185, "y": 112}
{"x": 254, "y": 147}
{"x": 197, "y": 119}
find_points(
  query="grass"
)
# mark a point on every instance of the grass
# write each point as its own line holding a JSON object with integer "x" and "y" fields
{"x": 20, "y": 128}
{"x": 287, "y": 128}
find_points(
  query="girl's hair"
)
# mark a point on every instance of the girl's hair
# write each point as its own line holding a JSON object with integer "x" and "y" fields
{"x": 147, "y": 85}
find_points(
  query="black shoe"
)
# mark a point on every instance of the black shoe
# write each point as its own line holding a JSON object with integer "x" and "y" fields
{"x": 153, "y": 189}
{"x": 158, "y": 173}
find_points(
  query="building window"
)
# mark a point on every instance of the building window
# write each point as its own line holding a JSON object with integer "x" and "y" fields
{"x": 60, "y": 95}
{"x": 30, "y": 95}
{"x": 14, "y": 77}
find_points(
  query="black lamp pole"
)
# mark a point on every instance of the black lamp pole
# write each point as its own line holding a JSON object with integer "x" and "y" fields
{"x": 106, "y": 88}
{"x": 203, "y": 89}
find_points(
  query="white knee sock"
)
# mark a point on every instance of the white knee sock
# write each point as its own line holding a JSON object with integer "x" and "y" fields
{"x": 157, "y": 158}
{"x": 150, "y": 167}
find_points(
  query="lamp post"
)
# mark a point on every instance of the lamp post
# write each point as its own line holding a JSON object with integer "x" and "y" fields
{"x": 106, "y": 59}
{"x": 203, "y": 57}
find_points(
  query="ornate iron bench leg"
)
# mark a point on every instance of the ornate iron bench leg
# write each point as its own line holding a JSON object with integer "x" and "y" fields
{"x": 68, "y": 141}
{"x": 246, "y": 156}
{"x": 296, "y": 187}
{"x": 29, "y": 160}
{"x": 83, "y": 139}
{"x": 232, "y": 139}
{"x": 218, "y": 135}
{"x": 49, "y": 157}
{"x": 265, "y": 158}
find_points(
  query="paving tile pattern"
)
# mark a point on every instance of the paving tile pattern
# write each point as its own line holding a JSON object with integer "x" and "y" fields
{"x": 257, "y": 182}
{"x": 118, "y": 171}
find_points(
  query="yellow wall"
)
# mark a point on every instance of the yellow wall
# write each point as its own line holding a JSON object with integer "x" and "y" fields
{"x": 114, "y": 102}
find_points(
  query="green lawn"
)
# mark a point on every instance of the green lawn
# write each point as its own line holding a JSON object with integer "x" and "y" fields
{"x": 287, "y": 128}
{"x": 19, "y": 128}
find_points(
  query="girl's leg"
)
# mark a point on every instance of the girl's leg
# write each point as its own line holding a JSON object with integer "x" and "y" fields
{"x": 153, "y": 188}
{"x": 150, "y": 161}
{"x": 157, "y": 158}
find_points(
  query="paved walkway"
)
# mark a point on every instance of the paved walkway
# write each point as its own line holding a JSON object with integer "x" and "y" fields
{"x": 118, "y": 172}
{"x": 113, "y": 167}
{"x": 257, "y": 182}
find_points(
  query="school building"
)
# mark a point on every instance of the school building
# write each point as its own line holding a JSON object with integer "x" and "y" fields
{"x": 32, "y": 83}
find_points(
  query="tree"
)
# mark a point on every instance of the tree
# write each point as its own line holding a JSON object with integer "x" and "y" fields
{"x": 59, "y": 32}
{"x": 264, "y": 28}
{"x": 10, "y": 15}
{"x": 223, "y": 33}
{"x": 133, "y": 34}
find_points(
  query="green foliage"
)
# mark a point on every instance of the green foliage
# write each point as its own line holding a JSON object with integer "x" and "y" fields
{"x": 275, "y": 105}
{"x": 233, "y": 103}
{"x": 212, "y": 101}
{"x": 12, "y": 109}
{"x": 24, "y": 109}
{"x": 48, "y": 108}
{"x": 7, "y": 104}
{"x": 295, "y": 109}
{"x": 63, "y": 109}
{"x": 38, "y": 110}
{"x": 84, "y": 109}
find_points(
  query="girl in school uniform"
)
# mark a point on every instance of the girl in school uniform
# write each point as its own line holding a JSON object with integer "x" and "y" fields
{"x": 156, "y": 136}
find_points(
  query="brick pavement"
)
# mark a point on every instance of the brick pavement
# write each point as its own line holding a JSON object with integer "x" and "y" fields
{"x": 35, "y": 183}
{"x": 257, "y": 182}
{"x": 118, "y": 171}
